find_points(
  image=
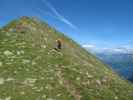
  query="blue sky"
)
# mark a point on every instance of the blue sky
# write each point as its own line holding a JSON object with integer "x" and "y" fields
{"x": 94, "y": 23}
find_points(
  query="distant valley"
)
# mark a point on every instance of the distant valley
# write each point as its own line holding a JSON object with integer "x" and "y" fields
{"x": 120, "y": 62}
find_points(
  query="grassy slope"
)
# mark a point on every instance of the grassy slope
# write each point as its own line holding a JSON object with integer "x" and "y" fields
{"x": 31, "y": 70}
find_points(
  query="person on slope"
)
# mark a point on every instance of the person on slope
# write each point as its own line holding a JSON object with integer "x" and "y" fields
{"x": 58, "y": 44}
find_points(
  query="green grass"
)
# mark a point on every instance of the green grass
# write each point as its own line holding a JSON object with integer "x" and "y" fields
{"x": 29, "y": 71}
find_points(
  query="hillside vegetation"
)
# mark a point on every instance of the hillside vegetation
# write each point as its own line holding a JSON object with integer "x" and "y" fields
{"x": 30, "y": 69}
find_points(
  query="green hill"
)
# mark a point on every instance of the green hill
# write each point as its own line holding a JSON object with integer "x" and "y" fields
{"x": 30, "y": 69}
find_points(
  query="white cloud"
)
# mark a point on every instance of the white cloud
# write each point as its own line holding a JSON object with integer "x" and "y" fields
{"x": 57, "y": 14}
{"x": 46, "y": 13}
{"x": 122, "y": 49}
{"x": 88, "y": 46}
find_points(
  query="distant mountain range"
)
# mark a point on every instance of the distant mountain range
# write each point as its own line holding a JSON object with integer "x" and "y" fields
{"x": 120, "y": 59}
{"x": 120, "y": 62}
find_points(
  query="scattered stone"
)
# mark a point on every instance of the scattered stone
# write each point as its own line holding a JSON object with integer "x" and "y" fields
{"x": 39, "y": 89}
{"x": 13, "y": 57}
{"x": 45, "y": 39}
{"x": 43, "y": 46}
{"x": 60, "y": 82}
{"x": 49, "y": 87}
{"x": 78, "y": 78}
{"x": 116, "y": 98}
{"x": 33, "y": 29}
{"x": 26, "y": 61}
{"x": 5, "y": 40}
{"x": 27, "y": 69}
{"x": 50, "y": 99}
{"x": 7, "y": 34}
{"x": 7, "y": 98}
{"x": 88, "y": 75}
{"x": 1, "y": 64}
{"x": 22, "y": 52}
{"x": 35, "y": 88}
{"x": 48, "y": 53}
{"x": 98, "y": 82}
{"x": 42, "y": 78}
{"x": 8, "y": 63}
{"x": 22, "y": 93}
{"x": 7, "y": 53}
{"x": 10, "y": 79}
{"x": 44, "y": 96}
{"x": 33, "y": 63}
{"x": 104, "y": 79}
{"x": 91, "y": 65}
{"x": 58, "y": 95}
{"x": 2, "y": 81}
{"x": 18, "y": 53}
{"x": 86, "y": 83}
{"x": 29, "y": 81}
{"x": 15, "y": 72}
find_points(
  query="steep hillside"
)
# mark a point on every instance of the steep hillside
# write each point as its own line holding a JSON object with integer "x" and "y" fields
{"x": 30, "y": 69}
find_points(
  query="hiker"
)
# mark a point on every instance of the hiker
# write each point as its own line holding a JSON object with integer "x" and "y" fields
{"x": 58, "y": 44}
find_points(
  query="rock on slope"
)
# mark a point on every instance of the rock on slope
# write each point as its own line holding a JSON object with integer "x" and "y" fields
{"x": 31, "y": 70}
